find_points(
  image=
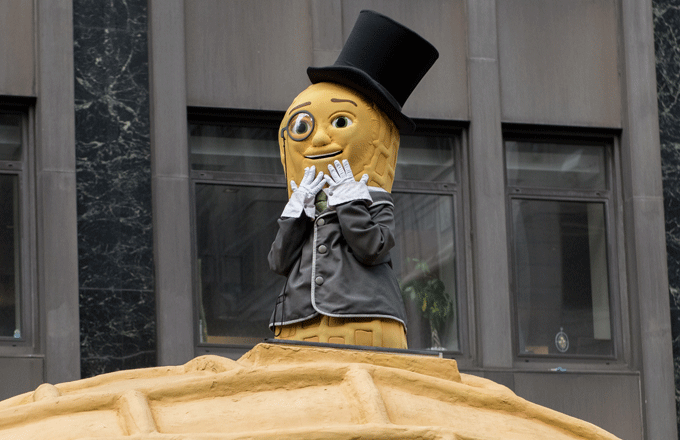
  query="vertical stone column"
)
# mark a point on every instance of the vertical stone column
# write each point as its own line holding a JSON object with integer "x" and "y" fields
{"x": 489, "y": 238}
{"x": 113, "y": 178}
{"x": 57, "y": 257}
{"x": 171, "y": 183}
{"x": 643, "y": 205}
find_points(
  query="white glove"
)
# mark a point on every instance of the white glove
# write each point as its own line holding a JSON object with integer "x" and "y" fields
{"x": 302, "y": 198}
{"x": 343, "y": 187}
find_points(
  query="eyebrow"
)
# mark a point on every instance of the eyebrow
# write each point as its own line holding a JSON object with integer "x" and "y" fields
{"x": 344, "y": 100}
{"x": 298, "y": 106}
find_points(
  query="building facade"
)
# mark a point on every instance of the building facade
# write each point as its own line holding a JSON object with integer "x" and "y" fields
{"x": 141, "y": 184}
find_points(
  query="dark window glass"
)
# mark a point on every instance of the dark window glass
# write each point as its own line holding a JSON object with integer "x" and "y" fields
{"x": 236, "y": 226}
{"x": 562, "y": 281}
{"x": 425, "y": 158}
{"x": 560, "y": 257}
{"x": 235, "y": 149}
{"x": 425, "y": 260}
{"x": 550, "y": 165}
{"x": 10, "y": 236}
{"x": 10, "y": 137}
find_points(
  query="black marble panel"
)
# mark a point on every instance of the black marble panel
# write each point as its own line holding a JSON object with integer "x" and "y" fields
{"x": 118, "y": 330}
{"x": 112, "y": 148}
{"x": 113, "y": 178}
{"x": 666, "y": 41}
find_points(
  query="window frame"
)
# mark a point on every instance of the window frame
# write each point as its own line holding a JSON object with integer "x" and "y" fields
{"x": 610, "y": 197}
{"x": 27, "y": 344}
{"x": 426, "y": 127}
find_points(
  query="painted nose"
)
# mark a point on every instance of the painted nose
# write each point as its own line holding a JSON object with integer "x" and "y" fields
{"x": 320, "y": 138}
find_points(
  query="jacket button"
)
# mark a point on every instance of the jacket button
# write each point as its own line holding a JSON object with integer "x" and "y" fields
{"x": 318, "y": 281}
{"x": 322, "y": 249}
{"x": 321, "y": 222}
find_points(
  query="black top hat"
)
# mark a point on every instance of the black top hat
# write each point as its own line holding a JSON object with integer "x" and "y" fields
{"x": 383, "y": 60}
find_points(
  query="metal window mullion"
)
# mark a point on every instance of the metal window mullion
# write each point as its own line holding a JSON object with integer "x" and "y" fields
{"x": 562, "y": 196}
{"x": 237, "y": 184}
{"x": 237, "y": 178}
{"x": 196, "y": 269}
{"x": 407, "y": 186}
{"x": 27, "y": 182}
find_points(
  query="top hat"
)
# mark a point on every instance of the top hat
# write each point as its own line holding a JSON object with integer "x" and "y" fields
{"x": 383, "y": 60}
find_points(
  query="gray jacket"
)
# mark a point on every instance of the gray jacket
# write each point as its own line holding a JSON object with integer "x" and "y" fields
{"x": 339, "y": 264}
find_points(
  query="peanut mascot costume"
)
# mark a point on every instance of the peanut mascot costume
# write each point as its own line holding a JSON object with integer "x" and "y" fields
{"x": 339, "y": 142}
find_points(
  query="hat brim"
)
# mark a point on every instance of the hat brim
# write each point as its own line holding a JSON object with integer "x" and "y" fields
{"x": 361, "y": 82}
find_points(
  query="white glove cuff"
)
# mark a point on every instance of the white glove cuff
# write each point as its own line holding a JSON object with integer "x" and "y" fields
{"x": 300, "y": 201}
{"x": 348, "y": 192}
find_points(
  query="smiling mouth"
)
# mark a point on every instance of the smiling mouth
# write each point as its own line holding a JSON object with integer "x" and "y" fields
{"x": 324, "y": 156}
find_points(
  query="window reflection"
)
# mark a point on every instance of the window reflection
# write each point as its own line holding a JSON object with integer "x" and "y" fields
{"x": 9, "y": 257}
{"x": 424, "y": 260}
{"x": 10, "y": 137}
{"x": 426, "y": 158}
{"x": 562, "y": 277}
{"x": 545, "y": 165}
{"x": 235, "y": 229}
{"x": 235, "y": 149}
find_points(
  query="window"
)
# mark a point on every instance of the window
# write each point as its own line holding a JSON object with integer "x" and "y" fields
{"x": 559, "y": 204}
{"x": 426, "y": 258}
{"x": 239, "y": 194}
{"x": 12, "y": 179}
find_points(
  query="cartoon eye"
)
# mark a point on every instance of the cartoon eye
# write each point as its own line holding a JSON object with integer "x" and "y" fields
{"x": 300, "y": 126}
{"x": 341, "y": 122}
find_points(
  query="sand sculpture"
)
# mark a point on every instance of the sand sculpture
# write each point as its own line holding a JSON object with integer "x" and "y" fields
{"x": 287, "y": 392}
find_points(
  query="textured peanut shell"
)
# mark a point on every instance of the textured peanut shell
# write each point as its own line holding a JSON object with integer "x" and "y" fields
{"x": 288, "y": 392}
